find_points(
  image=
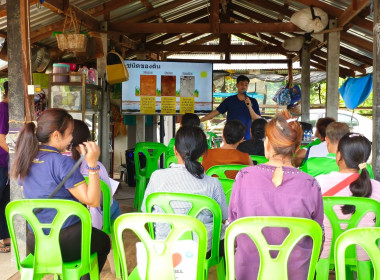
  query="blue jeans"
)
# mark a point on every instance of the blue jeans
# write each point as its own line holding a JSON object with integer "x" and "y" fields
{"x": 115, "y": 210}
{"x": 4, "y": 200}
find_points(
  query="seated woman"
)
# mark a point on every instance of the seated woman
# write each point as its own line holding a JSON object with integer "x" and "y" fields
{"x": 81, "y": 134}
{"x": 351, "y": 157}
{"x": 188, "y": 177}
{"x": 233, "y": 135}
{"x": 275, "y": 188}
{"x": 40, "y": 168}
{"x": 255, "y": 145}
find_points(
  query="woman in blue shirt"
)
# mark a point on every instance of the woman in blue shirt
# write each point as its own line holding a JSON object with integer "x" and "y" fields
{"x": 40, "y": 168}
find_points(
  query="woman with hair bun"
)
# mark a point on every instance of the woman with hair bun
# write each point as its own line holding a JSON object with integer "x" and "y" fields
{"x": 352, "y": 156}
{"x": 275, "y": 189}
{"x": 187, "y": 176}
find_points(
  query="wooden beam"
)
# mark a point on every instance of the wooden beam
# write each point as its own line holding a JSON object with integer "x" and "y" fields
{"x": 108, "y": 7}
{"x": 254, "y": 61}
{"x": 336, "y": 12}
{"x": 46, "y": 31}
{"x": 342, "y": 62}
{"x": 343, "y": 72}
{"x": 274, "y": 27}
{"x": 354, "y": 9}
{"x": 356, "y": 41}
{"x": 3, "y": 8}
{"x": 214, "y": 16}
{"x": 354, "y": 55}
{"x": 86, "y": 19}
{"x": 59, "y": 7}
{"x": 147, "y": 4}
{"x": 281, "y": 9}
{"x": 213, "y": 48}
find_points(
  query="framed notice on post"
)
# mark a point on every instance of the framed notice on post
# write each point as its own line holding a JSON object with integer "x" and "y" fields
{"x": 168, "y": 88}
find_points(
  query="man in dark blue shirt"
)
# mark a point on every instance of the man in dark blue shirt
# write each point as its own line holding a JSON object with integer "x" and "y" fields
{"x": 238, "y": 107}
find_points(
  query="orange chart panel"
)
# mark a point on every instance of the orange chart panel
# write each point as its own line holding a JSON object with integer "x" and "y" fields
{"x": 148, "y": 85}
{"x": 168, "y": 85}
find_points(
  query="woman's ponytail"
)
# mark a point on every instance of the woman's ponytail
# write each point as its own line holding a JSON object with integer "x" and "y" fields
{"x": 26, "y": 151}
{"x": 355, "y": 150}
{"x": 191, "y": 143}
{"x": 194, "y": 167}
{"x": 362, "y": 187}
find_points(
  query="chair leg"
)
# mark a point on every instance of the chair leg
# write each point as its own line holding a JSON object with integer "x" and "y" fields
{"x": 364, "y": 270}
{"x": 94, "y": 273}
{"x": 221, "y": 269}
{"x": 116, "y": 258}
{"x": 322, "y": 269}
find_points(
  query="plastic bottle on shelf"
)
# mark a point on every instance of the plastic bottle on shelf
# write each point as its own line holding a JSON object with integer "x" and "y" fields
{"x": 305, "y": 135}
{"x": 85, "y": 72}
{"x": 92, "y": 79}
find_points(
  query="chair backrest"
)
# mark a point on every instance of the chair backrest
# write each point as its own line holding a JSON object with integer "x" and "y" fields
{"x": 211, "y": 137}
{"x": 220, "y": 170}
{"x": 160, "y": 264}
{"x": 152, "y": 152}
{"x": 273, "y": 268}
{"x": 227, "y": 187}
{"x": 107, "y": 199}
{"x": 198, "y": 204}
{"x": 362, "y": 205}
{"x": 170, "y": 151}
{"x": 367, "y": 238}
{"x": 258, "y": 159}
{"x": 47, "y": 255}
{"x": 169, "y": 160}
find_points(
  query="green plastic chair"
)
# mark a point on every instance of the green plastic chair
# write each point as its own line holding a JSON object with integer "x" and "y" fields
{"x": 170, "y": 160}
{"x": 152, "y": 152}
{"x": 108, "y": 223}
{"x": 47, "y": 257}
{"x": 258, "y": 159}
{"x": 219, "y": 170}
{"x": 159, "y": 264}
{"x": 227, "y": 188}
{"x": 363, "y": 206}
{"x": 367, "y": 238}
{"x": 211, "y": 138}
{"x": 198, "y": 204}
{"x": 273, "y": 268}
{"x": 170, "y": 151}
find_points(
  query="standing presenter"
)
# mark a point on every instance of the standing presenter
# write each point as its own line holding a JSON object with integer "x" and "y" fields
{"x": 238, "y": 107}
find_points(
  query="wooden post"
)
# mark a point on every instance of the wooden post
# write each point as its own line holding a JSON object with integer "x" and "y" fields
{"x": 333, "y": 47}
{"x": 104, "y": 129}
{"x": 376, "y": 96}
{"x": 305, "y": 84}
{"x": 17, "y": 101}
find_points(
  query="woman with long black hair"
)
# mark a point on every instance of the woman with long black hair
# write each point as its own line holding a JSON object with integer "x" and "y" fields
{"x": 352, "y": 156}
{"x": 188, "y": 176}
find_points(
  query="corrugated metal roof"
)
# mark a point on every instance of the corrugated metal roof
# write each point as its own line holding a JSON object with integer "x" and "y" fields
{"x": 41, "y": 16}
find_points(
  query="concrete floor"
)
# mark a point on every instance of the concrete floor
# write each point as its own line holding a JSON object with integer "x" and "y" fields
{"x": 125, "y": 196}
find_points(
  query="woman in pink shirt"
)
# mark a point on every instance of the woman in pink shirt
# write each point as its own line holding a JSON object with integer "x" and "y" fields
{"x": 351, "y": 157}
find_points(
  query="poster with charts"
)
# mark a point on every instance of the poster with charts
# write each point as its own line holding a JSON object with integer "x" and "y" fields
{"x": 169, "y": 84}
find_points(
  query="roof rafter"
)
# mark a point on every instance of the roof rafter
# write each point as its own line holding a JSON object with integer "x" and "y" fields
{"x": 354, "y": 9}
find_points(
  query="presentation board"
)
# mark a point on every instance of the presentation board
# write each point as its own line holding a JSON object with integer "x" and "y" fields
{"x": 168, "y": 88}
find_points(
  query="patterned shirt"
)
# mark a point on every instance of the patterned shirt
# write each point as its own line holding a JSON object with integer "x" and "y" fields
{"x": 177, "y": 179}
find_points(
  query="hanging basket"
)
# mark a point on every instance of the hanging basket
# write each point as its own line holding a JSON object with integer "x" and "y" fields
{"x": 68, "y": 40}
{"x": 72, "y": 42}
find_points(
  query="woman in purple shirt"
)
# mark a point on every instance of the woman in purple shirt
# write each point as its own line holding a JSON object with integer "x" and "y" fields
{"x": 275, "y": 189}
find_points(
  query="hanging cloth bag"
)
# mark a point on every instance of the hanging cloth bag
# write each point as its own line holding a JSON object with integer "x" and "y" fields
{"x": 117, "y": 71}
